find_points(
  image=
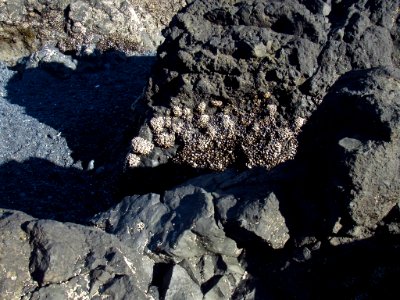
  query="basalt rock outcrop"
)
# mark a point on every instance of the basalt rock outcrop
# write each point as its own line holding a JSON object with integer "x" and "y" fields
{"x": 135, "y": 26}
{"x": 326, "y": 222}
{"x": 235, "y": 81}
{"x": 317, "y": 216}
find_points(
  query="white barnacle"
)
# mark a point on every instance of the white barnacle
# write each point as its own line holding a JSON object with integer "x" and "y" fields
{"x": 256, "y": 126}
{"x": 203, "y": 143}
{"x": 276, "y": 148}
{"x": 140, "y": 226}
{"x": 187, "y": 113}
{"x": 177, "y": 111}
{"x": 299, "y": 122}
{"x": 228, "y": 123}
{"x": 216, "y": 103}
{"x": 167, "y": 122}
{"x": 166, "y": 140}
{"x": 211, "y": 131}
{"x": 273, "y": 109}
{"x": 203, "y": 120}
{"x": 201, "y": 108}
{"x": 157, "y": 124}
{"x": 141, "y": 146}
{"x": 133, "y": 160}
{"x": 177, "y": 125}
{"x": 285, "y": 133}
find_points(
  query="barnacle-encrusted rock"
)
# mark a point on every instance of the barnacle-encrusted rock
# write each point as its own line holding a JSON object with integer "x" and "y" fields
{"x": 141, "y": 146}
{"x": 26, "y": 26}
{"x": 243, "y": 77}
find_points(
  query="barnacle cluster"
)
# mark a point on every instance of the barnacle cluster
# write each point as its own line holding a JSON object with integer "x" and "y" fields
{"x": 213, "y": 135}
{"x": 141, "y": 146}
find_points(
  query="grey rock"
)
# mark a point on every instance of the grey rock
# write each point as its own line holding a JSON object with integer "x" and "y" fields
{"x": 74, "y": 25}
{"x": 183, "y": 228}
{"x": 15, "y": 252}
{"x": 72, "y": 261}
{"x": 263, "y": 218}
{"x": 192, "y": 227}
{"x": 358, "y": 145}
{"x": 258, "y": 233}
{"x": 181, "y": 225}
{"x": 235, "y": 82}
{"x": 181, "y": 286}
{"x": 51, "y": 55}
{"x": 134, "y": 220}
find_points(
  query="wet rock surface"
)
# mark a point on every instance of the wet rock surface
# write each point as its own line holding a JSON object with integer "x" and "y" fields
{"x": 321, "y": 220}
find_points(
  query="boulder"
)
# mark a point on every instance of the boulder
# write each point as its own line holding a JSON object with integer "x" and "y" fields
{"x": 352, "y": 142}
{"x": 235, "y": 81}
{"x": 45, "y": 258}
{"x": 303, "y": 92}
{"x": 15, "y": 253}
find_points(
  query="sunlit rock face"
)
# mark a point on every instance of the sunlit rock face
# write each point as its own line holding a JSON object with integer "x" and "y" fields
{"x": 71, "y": 25}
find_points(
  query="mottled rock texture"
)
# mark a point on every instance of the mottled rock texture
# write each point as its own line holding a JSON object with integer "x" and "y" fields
{"x": 308, "y": 94}
{"x": 236, "y": 80}
{"x": 74, "y": 25}
{"x": 353, "y": 143}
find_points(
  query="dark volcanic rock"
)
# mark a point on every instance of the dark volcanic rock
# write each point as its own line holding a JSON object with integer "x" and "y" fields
{"x": 75, "y": 25}
{"x": 67, "y": 261}
{"x": 353, "y": 144}
{"x": 181, "y": 231}
{"x": 236, "y": 80}
{"x": 15, "y": 252}
{"x": 234, "y": 84}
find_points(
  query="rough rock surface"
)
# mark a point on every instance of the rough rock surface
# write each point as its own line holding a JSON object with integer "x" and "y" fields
{"x": 326, "y": 222}
{"x": 236, "y": 80}
{"x": 68, "y": 261}
{"x": 27, "y": 26}
{"x": 353, "y": 144}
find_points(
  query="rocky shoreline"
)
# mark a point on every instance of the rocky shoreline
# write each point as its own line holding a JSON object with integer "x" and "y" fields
{"x": 255, "y": 157}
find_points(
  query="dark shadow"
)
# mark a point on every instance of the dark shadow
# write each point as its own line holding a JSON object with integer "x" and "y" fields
{"x": 366, "y": 269}
{"x": 90, "y": 108}
{"x": 159, "y": 179}
{"x": 161, "y": 278}
{"x": 44, "y": 190}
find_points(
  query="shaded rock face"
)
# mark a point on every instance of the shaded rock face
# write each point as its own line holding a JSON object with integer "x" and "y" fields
{"x": 26, "y": 26}
{"x": 354, "y": 135}
{"x": 236, "y": 80}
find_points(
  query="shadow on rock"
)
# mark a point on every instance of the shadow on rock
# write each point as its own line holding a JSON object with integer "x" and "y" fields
{"x": 365, "y": 269}
{"x": 86, "y": 99}
{"x": 47, "y": 191}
